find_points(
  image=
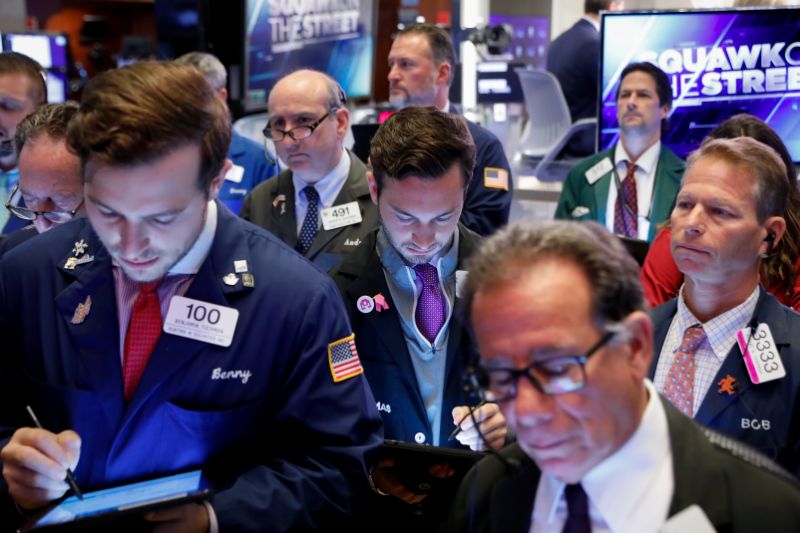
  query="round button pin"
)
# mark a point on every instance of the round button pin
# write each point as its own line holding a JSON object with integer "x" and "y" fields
{"x": 419, "y": 438}
{"x": 365, "y": 304}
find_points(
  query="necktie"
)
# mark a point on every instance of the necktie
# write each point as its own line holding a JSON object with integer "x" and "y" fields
{"x": 143, "y": 332}
{"x": 309, "y": 228}
{"x": 626, "y": 209}
{"x": 430, "y": 312}
{"x": 578, "y": 520}
{"x": 679, "y": 387}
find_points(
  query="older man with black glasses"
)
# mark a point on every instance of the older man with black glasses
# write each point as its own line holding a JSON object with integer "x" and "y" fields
{"x": 597, "y": 448}
{"x": 50, "y": 184}
{"x": 320, "y": 206}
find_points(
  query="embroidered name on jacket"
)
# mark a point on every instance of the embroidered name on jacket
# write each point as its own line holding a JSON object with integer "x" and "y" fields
{"x": 244, "y": 375}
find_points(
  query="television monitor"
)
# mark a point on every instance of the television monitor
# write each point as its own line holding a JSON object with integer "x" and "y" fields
{"x": 334, "y": 37}
{"x": 498, "y": 82}
{"x": 720, "y": 63}
{"x": 531, "y": 37}
{"x": 51, "y": 51}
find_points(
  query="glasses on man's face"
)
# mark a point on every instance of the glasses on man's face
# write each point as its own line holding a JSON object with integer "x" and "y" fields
{"x": 298, "y": 133}
{"x": 56, "y": 217}
{"x": 558, "y": 375}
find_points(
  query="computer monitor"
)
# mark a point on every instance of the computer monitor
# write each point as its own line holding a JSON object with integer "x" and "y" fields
{"x": 334, "y": 37}
{"x": 720, "y": 63}
{"x": 51, "y": 51}
{"x": 498, "y": 82}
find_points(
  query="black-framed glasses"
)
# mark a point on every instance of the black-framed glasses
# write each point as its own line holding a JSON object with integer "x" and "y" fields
{"x": 56, "y": 217}
{"x": 298, "y": 133}
{"x": 558, "y": 375}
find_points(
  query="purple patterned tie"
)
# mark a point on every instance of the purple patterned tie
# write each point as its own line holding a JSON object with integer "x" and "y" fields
{"x": 431, "y": 305}
{"x": 626, "y": 208}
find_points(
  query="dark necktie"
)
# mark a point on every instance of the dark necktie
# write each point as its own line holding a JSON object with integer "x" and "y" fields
{"x": 143, "y": 333}
{"x": 429, "y": 315}
{"x": 578, "y": 520}
{"x": 626, "y": 209}
{"x": 309, "y": 228}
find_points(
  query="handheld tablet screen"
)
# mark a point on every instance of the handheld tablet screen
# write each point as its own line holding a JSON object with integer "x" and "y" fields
{"x": 121, "y": 498}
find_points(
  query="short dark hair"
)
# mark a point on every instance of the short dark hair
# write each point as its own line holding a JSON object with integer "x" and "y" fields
{"x": 612, "y": 273}
{"x": 16, "y": 63}
{"x": 51, "y": 119}
{"x": 440, "y": 42}
{"x": 139, "y": 113}
{"x": 596, "y": 6}
{"x": 422, "y": 142}
{"x": 663, "y": 86}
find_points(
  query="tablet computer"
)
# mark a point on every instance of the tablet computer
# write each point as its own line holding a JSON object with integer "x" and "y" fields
{"x": 412, "y": 463}
{"x": 108, "y": 505}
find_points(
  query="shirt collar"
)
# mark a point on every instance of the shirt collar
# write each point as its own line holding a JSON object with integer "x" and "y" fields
{"x": 397, "y": 267}
{"x": 191, "y": 262}
{"x": 630, "y": 470}
{"x": 330, "y": 184}
{"x": 647, "y": 161}
{"x": 720, "y": 330}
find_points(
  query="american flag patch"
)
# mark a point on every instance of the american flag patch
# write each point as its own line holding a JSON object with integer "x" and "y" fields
{"x": 495, "y": 178}
{"x": 343, "y": 359}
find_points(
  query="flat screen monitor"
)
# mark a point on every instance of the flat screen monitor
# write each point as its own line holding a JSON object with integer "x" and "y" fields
{"x": 531, "y": 37}
{"x": 334, "y": 37}
{"x": 51, "y": 51}
{"x": 498, "y": 82}
{"x": 720, "y": 63}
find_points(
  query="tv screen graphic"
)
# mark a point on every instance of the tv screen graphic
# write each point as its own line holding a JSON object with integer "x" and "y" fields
{"x": 719, "y": 63}
{"x": 333, "y": 36}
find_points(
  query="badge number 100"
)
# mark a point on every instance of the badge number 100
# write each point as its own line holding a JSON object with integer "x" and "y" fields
{"x": 199, "y": 313}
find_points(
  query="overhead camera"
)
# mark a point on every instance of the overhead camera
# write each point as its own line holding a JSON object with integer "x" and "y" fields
{"x": 492, "y": 40}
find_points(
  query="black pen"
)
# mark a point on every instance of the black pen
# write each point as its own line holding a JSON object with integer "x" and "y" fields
{"x": 70, "y": 477}
{"x": 457, "y": 430}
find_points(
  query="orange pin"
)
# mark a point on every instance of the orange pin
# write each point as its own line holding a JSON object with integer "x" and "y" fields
{"x": 82, "y": 311}
{"x": 727, "y": 384}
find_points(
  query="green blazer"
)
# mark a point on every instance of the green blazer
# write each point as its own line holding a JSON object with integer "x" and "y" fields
{"x": 579, "y": 193}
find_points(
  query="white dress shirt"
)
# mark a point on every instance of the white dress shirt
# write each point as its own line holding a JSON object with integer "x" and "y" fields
{"x": 628, "y": 492}
{"x": 645, "y": 175}
{"x": 328, "y": 189}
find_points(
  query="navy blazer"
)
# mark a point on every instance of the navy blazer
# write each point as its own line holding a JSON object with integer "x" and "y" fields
{"x": 384, "y": 353}
{"x": 249, "y": 155}
{"x": 284, "y": 444}
{"x": 775, "y": 403}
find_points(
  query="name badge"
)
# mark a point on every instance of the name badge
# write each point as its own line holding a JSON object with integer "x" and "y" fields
{"x": 235, "y": 174}
{"x": 598, "y": 170}
{"x": 340, "y": 215}
{"x": 201, "y": 321}
{"x": 761, "y": 356}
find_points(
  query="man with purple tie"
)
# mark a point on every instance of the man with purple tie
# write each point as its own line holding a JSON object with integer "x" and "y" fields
{"x": 402, "y": 283}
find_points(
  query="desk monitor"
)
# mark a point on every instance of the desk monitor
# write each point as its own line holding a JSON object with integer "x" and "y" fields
{"x": 720, "y": 63}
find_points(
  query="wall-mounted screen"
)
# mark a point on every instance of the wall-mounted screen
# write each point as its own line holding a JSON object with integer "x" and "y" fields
{"x": 719, "y": 62}
{"x": 51, "y": 51}
{"x": 531, "y": 37}
{"x": 283, "y": 35}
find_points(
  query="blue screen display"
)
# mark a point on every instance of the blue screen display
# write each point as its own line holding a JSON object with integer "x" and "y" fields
{"x": 720, "y": 63}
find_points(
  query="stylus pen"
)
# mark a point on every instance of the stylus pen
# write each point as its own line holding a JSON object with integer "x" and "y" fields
{"x": 457, "y": 430}
{"x": 70, "y": 477}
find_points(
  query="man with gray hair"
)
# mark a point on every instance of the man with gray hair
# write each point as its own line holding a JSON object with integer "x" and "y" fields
{"x": 320, "y": 205}
{"x": 727, "y": 352}
{"x": 50, "y": 183}
{"x": 250, "y": 165}
{"x": 558, "y": 315}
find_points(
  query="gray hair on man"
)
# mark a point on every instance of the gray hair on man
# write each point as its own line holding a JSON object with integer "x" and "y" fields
{"x": 209, "y": 66}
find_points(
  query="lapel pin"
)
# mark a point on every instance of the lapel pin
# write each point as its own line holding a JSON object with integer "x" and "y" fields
{"x": 280, "y": 199}
{"x": 82, "y": 311}
{"x": 380, "y": 303}
{"x": 365, "y": 304}
{"x": 230, "y": 279}
{"x": 248, "y": 280}
{"x": 70, "y": 263}
{"x": 79, "y": 248}
{"x": 240, "y": 266}
{"x": 727, "y": 384}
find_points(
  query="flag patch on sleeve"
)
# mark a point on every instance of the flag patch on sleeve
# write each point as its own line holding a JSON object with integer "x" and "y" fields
{"x": 495, "y": 178}
{"x": 343, "y": 359}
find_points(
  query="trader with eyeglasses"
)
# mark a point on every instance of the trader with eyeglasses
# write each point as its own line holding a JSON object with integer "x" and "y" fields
{"x": 558, "y": 316}
{"x": 50, "y": 184}
{"x": 320, "y": 205}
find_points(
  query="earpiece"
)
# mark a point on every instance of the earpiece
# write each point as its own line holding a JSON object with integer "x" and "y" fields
{"x": 770, "y": 240}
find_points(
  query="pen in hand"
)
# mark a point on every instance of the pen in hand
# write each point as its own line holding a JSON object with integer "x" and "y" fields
{"x": 457, "y": 429}
{"x": 70, "y": 477}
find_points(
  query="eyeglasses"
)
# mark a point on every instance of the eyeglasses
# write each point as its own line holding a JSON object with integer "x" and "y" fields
{"x": 553, "y": 376}
{"x": 56, "y": 217}
{"x": 298, "y": 133}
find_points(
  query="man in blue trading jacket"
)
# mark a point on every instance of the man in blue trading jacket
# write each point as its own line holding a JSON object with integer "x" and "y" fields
{"x": 401, "y": 285}
{"x": 261, "y": 388}
{"x": 320, "y": 205}
{"x": 422, "y": 65}
{"x": 631, "y": 187}
{"x": 738, "y": 345}
{"x": 250, "y": 165}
